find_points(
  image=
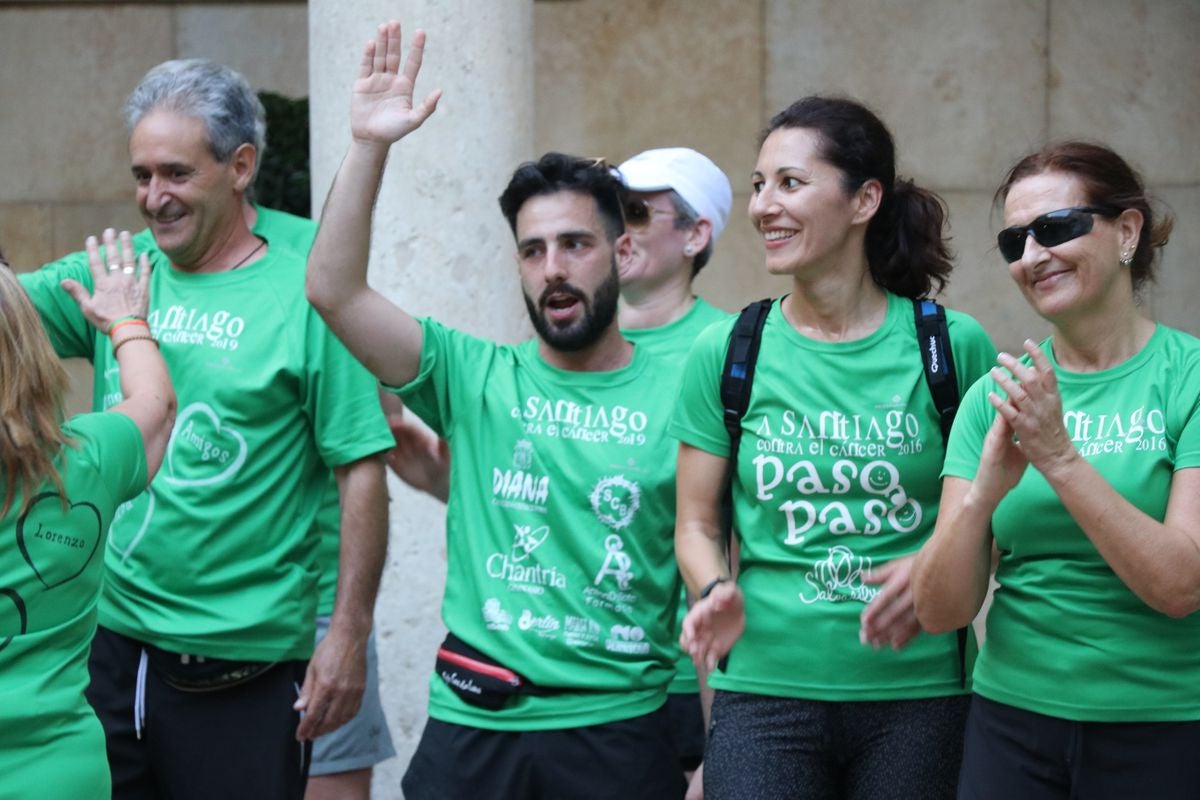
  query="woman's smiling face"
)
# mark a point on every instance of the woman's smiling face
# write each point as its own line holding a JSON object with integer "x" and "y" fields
{"x": 799, "y": 205}
{"x": 1078, "y": 275}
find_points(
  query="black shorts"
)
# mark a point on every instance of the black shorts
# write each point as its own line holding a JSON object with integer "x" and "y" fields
{"x": 238, "y": 742}
{"x": 632, "y": 759}
{"x": 1011, "y": 752}
{"x": 687, "y": 726}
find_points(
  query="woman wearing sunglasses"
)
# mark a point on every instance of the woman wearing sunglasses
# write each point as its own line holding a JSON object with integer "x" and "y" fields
{"x": 60, "y": 485}
{"x": 827, "y": 688}
{"x": 1078, "y": 462}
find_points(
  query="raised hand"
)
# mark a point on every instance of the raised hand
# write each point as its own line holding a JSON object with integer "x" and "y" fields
{"x": 381, "y": 108}
{"x": 713, "y": 625}
{"x": 120, "y": 289}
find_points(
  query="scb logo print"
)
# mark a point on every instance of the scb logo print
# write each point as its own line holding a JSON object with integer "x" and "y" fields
{"x": 615, "y": 501}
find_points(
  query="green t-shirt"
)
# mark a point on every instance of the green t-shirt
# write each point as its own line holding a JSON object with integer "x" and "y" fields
{"x": 559, "y": 530}
{"x": 216, "y": 558}
{"x": 837, "y": 473}
{"x": 51, "y": 570}
{"x": 671, "y": 343}
{"x": 1065, "y": 636}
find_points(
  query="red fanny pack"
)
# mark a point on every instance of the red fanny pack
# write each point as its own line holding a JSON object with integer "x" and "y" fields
{"x": 477, "y": 679}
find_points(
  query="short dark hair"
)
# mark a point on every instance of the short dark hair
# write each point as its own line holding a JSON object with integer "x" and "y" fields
{"x": 907, "y": 251}
{"x": 1107, "y": 180}
{"x": 557, "y": 172}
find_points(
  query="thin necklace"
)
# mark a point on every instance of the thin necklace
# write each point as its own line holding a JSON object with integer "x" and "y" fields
{"x": 261, "y": 244}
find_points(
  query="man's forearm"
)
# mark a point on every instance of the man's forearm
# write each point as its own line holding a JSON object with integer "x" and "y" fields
{"x": 363, "y": 543}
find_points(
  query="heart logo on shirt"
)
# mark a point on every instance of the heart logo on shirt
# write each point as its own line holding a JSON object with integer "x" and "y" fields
{"x": 58, "y": 541}
{"x": 12, "y": 615}
{"x": 202, "y": 451}
{"x": 122, "y": 520}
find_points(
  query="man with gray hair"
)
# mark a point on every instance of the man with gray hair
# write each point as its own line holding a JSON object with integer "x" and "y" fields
{"x": 201, "y": 663}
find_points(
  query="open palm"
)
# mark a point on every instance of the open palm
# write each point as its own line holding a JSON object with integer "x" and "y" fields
{"x": 381, "y": 109}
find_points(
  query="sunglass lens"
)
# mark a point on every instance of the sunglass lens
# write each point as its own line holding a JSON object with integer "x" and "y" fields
{"x": 636, "y": 213}
{"x": 1012, "y": 243}
{"x": 1051, "y": 230}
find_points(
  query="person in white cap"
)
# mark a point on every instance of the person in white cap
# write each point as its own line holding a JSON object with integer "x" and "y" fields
{"x": 678, "y": 204}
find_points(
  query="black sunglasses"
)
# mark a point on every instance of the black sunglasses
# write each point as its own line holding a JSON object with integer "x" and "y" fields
{"x": 1051, "y": 228}
{"x": 638, "y": 212}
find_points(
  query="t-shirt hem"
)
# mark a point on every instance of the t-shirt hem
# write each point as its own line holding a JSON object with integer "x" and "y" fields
{"x": 840, "y": 693}
{"x": 1074, "y": 713}
{"x": 212, "y": 647}
{"x": 684, "y": 687}
{"x": 612, "y": 707}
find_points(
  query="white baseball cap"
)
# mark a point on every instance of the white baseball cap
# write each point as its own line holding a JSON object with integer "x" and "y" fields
{"x": 694, "y": 176}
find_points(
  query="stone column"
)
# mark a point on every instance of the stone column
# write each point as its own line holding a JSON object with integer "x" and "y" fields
{"x": 441, "y": 248}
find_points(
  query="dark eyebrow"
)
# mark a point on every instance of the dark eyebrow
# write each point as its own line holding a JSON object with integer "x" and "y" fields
{"x": 523, "y": 243}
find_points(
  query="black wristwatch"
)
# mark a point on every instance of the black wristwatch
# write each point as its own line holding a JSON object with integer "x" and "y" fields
{"x": 707, "y": 590}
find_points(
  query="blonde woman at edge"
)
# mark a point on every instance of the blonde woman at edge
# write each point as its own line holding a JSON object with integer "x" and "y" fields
{"x": 62, "y": 483}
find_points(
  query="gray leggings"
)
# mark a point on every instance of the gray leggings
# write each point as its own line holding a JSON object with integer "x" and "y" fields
{"x": 786, "y": 749}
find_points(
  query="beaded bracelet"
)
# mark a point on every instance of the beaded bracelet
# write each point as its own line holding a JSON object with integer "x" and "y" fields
{"x": 127, "y": 339}
{"x": 123, "y": 321}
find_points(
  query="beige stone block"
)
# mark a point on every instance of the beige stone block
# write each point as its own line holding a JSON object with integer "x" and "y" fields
{"x": 736, "y": 275}
{"x": 615, "y": 77}
{"x": 980, "y": 284}
{"x": 1127, "y": 73}
{"x": 75, "y": 222}
{"x": 25, "y": 235}
{"x": 66, "y": 72}
{"x": 266, "y": 42}
{"x": 961, "y": 83}
{"x": 79, "y": 391}
{"x": 1172, "y": 298}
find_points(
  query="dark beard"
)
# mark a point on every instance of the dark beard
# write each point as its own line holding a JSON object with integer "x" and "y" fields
{"x": 599, "y": 311}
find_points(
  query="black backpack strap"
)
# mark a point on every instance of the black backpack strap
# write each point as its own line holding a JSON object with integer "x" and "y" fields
{"x": 737, "y": 378}
{"x": 933, "y": 338}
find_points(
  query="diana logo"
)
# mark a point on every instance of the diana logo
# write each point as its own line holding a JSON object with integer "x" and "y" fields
{"x": 615, "y": 501}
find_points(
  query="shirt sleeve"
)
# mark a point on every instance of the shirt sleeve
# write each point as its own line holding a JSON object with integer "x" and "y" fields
{"x": 452, "y": 375}
{"x": 114, "y": 445}
{"x": 699, "y": 418}
{"x": 68, "y": 329}
{"x": 340, "y": 399}
{"x": 974, "y": 353}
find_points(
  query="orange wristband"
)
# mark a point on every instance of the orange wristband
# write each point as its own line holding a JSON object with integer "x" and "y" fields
{"x": 123, "y": 321}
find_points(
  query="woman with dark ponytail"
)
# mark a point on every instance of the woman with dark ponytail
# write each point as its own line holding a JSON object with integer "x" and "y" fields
{"x": 825, "y": 688}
